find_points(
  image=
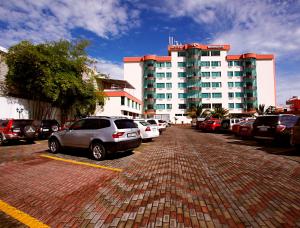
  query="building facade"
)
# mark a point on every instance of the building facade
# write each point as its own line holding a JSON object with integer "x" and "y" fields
{"x": 196, "y": 74}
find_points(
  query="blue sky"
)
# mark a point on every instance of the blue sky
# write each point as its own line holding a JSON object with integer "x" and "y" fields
{"x": 134, "y": 28}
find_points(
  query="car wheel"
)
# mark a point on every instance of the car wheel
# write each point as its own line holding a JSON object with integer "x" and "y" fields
{"x": 98, "y": 151}
{"x": 54, "y": 145}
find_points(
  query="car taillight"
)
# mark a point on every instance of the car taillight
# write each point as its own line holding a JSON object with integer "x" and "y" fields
{"x": 159, "y": 124}
{"x": 117, "y": 134}
{"x": 280, "y": 128}
{"x": 148, "y": 129}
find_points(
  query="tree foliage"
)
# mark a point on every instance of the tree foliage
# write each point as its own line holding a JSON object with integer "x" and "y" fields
{"x": 52, "y": 73}
{"x": 195, "y": 111}
{"x": 219, "y": 113}
{"x": 261, "y": 109}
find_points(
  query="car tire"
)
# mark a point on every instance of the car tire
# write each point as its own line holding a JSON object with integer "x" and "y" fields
{"x": 54, "y": 145}
{"x": 98, "y": 151}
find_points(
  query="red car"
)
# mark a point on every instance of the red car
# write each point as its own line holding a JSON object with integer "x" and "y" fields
{"x": 212, "y": 125}
{"x": 245, "y": 130}
{"x": 236, "y": 127}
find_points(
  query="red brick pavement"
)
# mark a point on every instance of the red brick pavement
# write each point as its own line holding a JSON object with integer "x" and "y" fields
{"x": 183, "y": 179}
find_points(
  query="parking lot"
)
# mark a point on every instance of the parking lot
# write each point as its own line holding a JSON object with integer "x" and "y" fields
{"x": 184, "y": 178}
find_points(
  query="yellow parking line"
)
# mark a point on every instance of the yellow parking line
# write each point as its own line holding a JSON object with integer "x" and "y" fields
{"x": 20, "y": 215}
{"x": 81, "y": 163}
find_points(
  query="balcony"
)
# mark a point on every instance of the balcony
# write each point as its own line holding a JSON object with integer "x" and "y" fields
{"x": 250, "y": 99}
{"x": 193, "y": 99}
{"x": 194, "y": 88}
{"x": 249, "y": 77}
{"x": 152, "y": 68}
{"x": 150, "y": 111}
{"x": 150, "y": 100}
{"x": 250, "y": 87}
{"x": 195, "y": 78}
{"x": 151, "y": 89}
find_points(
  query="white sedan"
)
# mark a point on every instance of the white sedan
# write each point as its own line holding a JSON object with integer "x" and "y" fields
{"x": 148, "y": 131}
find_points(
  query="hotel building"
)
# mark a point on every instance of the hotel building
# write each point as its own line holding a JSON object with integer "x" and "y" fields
{"x": 196, "y": 74}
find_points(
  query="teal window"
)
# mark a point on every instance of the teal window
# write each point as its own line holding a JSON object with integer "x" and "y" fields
{"x": 206, "y": 84}
{"x": 122, "y": 100}
{"x": 169, "y": 85}
{"x": 160, "y": 106}
{"x": 216, "y": 95}
{"x": 169, "y": 95}
{"x": 215, "y": 53}
{"x": 237, "y": 63}
{"x": 181, "y": 95}
{"x": 238, "y": 94}
{"x": 239, "y": 105}
{"x": 169, "y": 106}
{"x": 205, "y": 53}
{"x": 238, "y": 84}
{"x": 160, "y": 75}
{"x": 160, "y": 96}
{"x": 229, "y": 73}
{"x": 160, "y": 85}
{"x": 181, "y": 54}
{"x": 169, "y": 75}
{"x": 162, "y": 64}
{"x": 230, "y": 84}
{"x": 205, "y": 74}
{"x": 206, "y": 95}
{"x": 230, "y": 63}
{"x": 128, "y": 102}
{"x": 181, "y": 85}
{"x": 231, "y": 95}
{"x": 238, "y": 73}
{"x": 215, "y": 63}
{"x": 181, "y": 106}
{"x": 231, "y": 105}
{"x": 181, "y": 74}
{"x": 205, "y": 63}
{"x": 168, "y": 64}
{"x": 216, "y": 74}
{"x": 216, "y": 84}
{"x": 181, "y": 64}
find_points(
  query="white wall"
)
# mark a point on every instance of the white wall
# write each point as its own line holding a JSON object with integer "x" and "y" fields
{"x": 265, "y": 82}
{"x": 133, "y": 73}
{"x": 9, "y": 105}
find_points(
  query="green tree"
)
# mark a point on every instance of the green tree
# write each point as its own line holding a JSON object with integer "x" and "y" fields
{"x": 219, "y": 113}
{"x": 52, "y": 73}
{"x": 261, "y": 109}
{"x": 195, "y": 111}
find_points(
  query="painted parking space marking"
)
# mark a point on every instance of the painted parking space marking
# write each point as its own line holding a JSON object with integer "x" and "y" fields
{"x": 20, "y": 215}
{"x": 82, "y": 163}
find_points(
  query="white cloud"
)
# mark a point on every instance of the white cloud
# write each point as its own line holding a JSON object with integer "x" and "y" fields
{"x": 47, "y": 20}
{"x": 113, "y": 69}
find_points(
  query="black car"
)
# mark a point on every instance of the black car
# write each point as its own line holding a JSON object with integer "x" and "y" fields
{"x": 275, "y": 127}
{"x": 47, "y": 127}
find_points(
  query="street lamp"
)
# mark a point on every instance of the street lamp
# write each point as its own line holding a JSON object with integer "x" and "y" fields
{"x": 20, "y": 110}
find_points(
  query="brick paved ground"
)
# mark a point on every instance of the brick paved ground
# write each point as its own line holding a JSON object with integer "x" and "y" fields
{"x": 185, "y": 179}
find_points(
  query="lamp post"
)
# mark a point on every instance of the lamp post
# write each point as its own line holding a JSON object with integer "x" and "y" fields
{"x": 20, "y": 110}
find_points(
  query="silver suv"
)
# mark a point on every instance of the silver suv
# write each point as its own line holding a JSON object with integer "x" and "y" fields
{"x": 101, "y": 135}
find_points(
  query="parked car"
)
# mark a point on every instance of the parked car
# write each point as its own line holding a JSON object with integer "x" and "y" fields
{"x": 212, "y": 125}
{"x": 246, "y": 129}
{"x": 148, "y": 131}
{"x": 198, "y": 122}
{"x": 275, "y": 127}
{"x": 17, "y": 129}
{"x": 46, "y": 127}
{"x": 161, "y": 127}
{"x": 226, "y": 124}
{"x": 101, "y": 135}
{"x": 236, "y": 127}
{"x": 295, "y": 134}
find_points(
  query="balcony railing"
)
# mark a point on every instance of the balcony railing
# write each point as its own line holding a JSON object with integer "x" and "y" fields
{"x": 194, "y": 88}
{"x": 194, "y": 99}
{"x": 250, "y": 87}
{"x": 150, "y": 100}
{"x": 151, "y": 89}
{"x": 250, "y": 99}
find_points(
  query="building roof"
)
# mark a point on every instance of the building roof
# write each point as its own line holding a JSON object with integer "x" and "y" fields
{"x": 122, "y": 84}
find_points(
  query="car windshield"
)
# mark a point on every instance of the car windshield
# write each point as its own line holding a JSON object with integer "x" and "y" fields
{"x": 289, "y": 121}
{"x": 21, "y": 123}
{"x": 124, "y": 123}
{"x": 144, "y": 123}
{"x": 161, "y": 121}
{"x": 151, "y": 121}
{"x": 267, "y": 120}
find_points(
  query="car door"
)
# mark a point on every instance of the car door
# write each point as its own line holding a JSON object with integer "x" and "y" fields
{"x": 297, "y": 132}
{"x": 69, "y": 136}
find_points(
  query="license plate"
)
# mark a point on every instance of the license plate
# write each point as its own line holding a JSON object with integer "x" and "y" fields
{"x": 45, "y": 129}
{"x": 263, "y": 129}
{"x": 131, "y": 134}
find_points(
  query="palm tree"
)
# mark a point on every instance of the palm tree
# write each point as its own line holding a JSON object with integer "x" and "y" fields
{"x": 206, "y": 113}
{"x": 219, "y": 112}
{"x": 195, "y": 111}
{"x": 261, "y": 110}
